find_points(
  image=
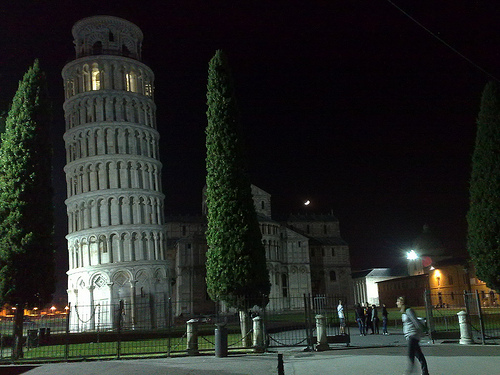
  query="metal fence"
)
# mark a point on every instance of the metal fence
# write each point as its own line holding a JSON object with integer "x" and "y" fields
{"x": 145, "y": 329}
{"x": 483, "y": 314}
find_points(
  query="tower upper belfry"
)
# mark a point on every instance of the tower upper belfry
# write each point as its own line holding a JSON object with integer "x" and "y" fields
{"x": 107, "y": 35}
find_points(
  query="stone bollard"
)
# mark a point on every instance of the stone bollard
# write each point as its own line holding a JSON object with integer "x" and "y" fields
{"x": 465, "y": 329}
{"x": 221, "y": 340}
{"x": 258, "y": 335}
{"x": 192, "y": 337}
{"x": 322, "y": 343}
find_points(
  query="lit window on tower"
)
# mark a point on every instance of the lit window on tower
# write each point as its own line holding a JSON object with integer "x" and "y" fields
{"x": 96, "y": 78}
{"x": 148, "y": 88}
{"x": 86, "y": 78}
{"x": 131, "y": 81}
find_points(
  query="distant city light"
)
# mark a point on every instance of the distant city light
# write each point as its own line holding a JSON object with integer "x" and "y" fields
{"x": 307, "y": 202}
{"x": 411, "y": 255}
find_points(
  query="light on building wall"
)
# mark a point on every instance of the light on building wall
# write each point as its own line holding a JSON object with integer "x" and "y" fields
{"x": 411, "y": 255}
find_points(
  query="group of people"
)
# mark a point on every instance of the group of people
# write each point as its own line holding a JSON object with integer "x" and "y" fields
{"x": 368, "y": 318}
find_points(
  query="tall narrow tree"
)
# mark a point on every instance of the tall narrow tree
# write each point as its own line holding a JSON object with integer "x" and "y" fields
{"x": 26, "y": 212}
{"x": 484, "y": 213}
{"x": 236, "y": 262}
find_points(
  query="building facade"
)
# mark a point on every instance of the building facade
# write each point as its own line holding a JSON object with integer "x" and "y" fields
{"x": 411, "y": 287}
{"x": 116, "y": 233}
{"x": 450, "y": 278}
{"x": 301, "y": 252}
{"x": 365, "y": 286}
{"x": 328, "y": 254}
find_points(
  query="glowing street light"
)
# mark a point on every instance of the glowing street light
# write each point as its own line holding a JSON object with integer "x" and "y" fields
{"x": 307, "y": 202}
{"x": 411, "y": 255}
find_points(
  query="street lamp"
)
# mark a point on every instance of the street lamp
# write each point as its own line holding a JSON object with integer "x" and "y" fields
{"x": 411, "y": 255}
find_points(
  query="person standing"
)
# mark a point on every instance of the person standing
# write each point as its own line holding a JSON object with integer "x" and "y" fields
{"x": 368, "y": 313}
{"x": 340, "y": 313}
{"x": 360, "y": 319}
{"x": 412, "y": 330}
{"x": 385, "y": 315}
{"x": 375, "y": 320}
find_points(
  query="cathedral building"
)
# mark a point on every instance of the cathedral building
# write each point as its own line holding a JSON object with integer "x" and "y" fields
{"x": 305, "y": 255}
{"x": 116, "y": 231}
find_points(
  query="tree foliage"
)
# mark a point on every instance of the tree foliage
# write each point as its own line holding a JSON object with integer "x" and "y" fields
{"x": 26, "y": 212}
{"x": 484, "y": 212}
{"x": 236, "y": 262}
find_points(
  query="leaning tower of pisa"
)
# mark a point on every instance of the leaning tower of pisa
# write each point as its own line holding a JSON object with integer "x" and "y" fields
{"x": 116, "y": 233}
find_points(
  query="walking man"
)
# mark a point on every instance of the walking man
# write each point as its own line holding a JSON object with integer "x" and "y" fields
{"x": 412, "y": 330}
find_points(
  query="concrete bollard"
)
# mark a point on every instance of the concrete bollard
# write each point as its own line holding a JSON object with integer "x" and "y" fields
{"x": 465, "y": 329}
{"x": 322, "y": 343}
{"x": 192, "y": 337}
{"x": 258, "y": 335}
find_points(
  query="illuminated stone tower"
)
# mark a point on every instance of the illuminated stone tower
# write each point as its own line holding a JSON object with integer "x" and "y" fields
{"x": 116, "y": 233}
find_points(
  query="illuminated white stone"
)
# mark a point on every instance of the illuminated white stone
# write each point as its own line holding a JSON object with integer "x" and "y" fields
{"x": 116, "y": 232}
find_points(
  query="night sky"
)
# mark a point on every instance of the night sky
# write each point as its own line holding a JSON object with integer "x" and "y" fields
{"x": 349, "y": 104}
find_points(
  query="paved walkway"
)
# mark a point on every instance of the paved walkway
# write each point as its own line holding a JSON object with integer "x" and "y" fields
{"x": 367, "y": 355}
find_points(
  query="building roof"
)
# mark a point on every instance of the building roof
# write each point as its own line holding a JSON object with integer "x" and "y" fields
{"x": 402, "y": 278}
{"x": 381, "y": 272}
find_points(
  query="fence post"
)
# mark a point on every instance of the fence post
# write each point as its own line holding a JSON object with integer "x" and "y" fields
{"x": 121, "y": 307}
{"x": 169, "y": 325}
{"x": 308, "y": 319}
{"x": 465, "y": 329}
{"x": 322, "y": 343}
{"x": 192, "y": 337}
{"x": 481, "y": 322}
{"x": 66, "y": 339}
{"x": 428, "y": 313}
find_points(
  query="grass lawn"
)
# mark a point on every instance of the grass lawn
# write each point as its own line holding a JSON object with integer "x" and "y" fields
{"x": 127, "y": 348}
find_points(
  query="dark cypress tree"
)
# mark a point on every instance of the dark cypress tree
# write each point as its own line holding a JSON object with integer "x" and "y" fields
{"x": 236, "y": 262}
{"x": 26, "y": 212}
{"x": 484, "y": 212}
